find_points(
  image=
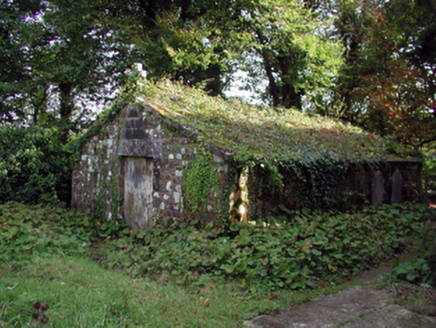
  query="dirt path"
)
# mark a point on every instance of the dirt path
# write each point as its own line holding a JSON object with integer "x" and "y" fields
{"x": 356, "y": 306}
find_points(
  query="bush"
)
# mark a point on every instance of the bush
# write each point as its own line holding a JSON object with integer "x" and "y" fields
{"x": 303, "y": 250}
{"x": 421, "y": 271}
{"x": 34, "y": 166}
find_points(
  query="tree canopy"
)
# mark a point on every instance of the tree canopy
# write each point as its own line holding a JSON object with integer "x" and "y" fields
{"x": 368, "y": 62}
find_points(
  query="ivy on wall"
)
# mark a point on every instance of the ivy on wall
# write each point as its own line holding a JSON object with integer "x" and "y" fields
{"x": 312, "y": 172}
{"x": 323, "y": 184}
{"x": 201, "y": 185}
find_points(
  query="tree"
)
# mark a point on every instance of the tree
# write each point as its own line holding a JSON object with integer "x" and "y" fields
{"x": 382, "y": 87}
{"x": 71, "y": 48}
{"x": 298, "y": 56}
{"x": 83, "y": 55}
{"x": 415, "y": 21}
{"x": 57, "y": 50}
{"x": 293, "y": 49}
{"x": 14, "y": 71}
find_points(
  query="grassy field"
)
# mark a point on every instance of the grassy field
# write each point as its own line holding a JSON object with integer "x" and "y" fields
{"x": 80, "y": 293}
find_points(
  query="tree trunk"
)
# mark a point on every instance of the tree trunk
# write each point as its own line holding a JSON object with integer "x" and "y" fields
{"x": 290, "y": 98}
{"x": 66, "y": 109}
{"x": 273, "y": 89}
{"x": 39, "y": 102}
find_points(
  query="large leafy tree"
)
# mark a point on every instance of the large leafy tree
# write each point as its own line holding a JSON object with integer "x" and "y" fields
{"x": 297, "y": 54}
{"x": 416, "y": 23}
{"x": 281, "y": 41}
{"x": 84, "y": 55}
{"x": 14, "y": 71}
{"x": 171, "y": 38}
{"x": 60, "y": 50}
{"x": 57, "y": 51}
{"x": 375, "y": 66}
{"x": 387, "y": 84}
{"x": 69, "y": 48}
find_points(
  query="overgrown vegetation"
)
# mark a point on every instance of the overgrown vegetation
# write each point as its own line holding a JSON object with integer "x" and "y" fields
{"x": 422, "y": 270}
{"x": 318, "y": 152}
{"x": 29, "y": 231}
{"x": 381, "y": 77}
{"x": 35, "y": 166}
{"x": 413, "y": 283}
{"x": 299, "y": 251}
{"x": 368, "y": 62}
{"x": 198, "y": 180}
{"x": 256, "y": 133}
{"x": 295, "y": 252}
{"x": 45, "y": 247}
{"x": 429, "y": 173}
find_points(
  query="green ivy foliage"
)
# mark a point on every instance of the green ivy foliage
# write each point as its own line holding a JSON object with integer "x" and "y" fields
{"x": 298, "y": 251}
{"x": 429, "y": 173}
{"x": 26, "y": 231}
{"x": 420, "y": 271}
{"x": 199, "y": 179}
{"x": 34, "y": 165}
{"x": 301, "y": 250}
{"x": 260, "y": 133}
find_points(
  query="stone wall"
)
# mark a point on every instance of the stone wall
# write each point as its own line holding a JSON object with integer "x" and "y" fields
{"x": 338, "y": 187}
{"x": 133, "y": 170}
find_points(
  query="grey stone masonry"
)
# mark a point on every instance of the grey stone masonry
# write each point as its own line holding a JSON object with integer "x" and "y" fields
{"x": 397, "y": 187}
{"x": 378, "y": 189}
{"x": 108, "y": 177}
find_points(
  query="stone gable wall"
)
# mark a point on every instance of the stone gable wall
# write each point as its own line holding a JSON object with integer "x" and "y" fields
{"x": 138, "y": 132}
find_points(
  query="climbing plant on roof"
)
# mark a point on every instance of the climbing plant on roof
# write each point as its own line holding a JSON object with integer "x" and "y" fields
{"x": 258, "y": 133}
{"x": 318, "y": 151}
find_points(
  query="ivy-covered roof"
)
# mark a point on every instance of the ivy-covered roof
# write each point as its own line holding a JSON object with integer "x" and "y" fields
{"x": 253, "y": 132}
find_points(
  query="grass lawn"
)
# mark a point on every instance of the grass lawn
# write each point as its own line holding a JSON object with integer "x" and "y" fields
{"x": 80, "y": 293}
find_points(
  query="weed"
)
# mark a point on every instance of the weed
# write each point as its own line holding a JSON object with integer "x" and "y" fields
{"x": 254, "y": 133}
{"x": 27, "y": 231}
{"x": 289, "y": 252}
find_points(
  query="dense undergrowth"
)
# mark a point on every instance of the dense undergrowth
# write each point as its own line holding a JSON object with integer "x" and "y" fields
{"x": 297, "y": 252}
{"x": 302, "y": 250}
{"x": 27, "y": 231}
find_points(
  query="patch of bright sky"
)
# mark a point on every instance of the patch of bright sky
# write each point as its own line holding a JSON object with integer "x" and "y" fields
{"x": 237, "y": 89}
